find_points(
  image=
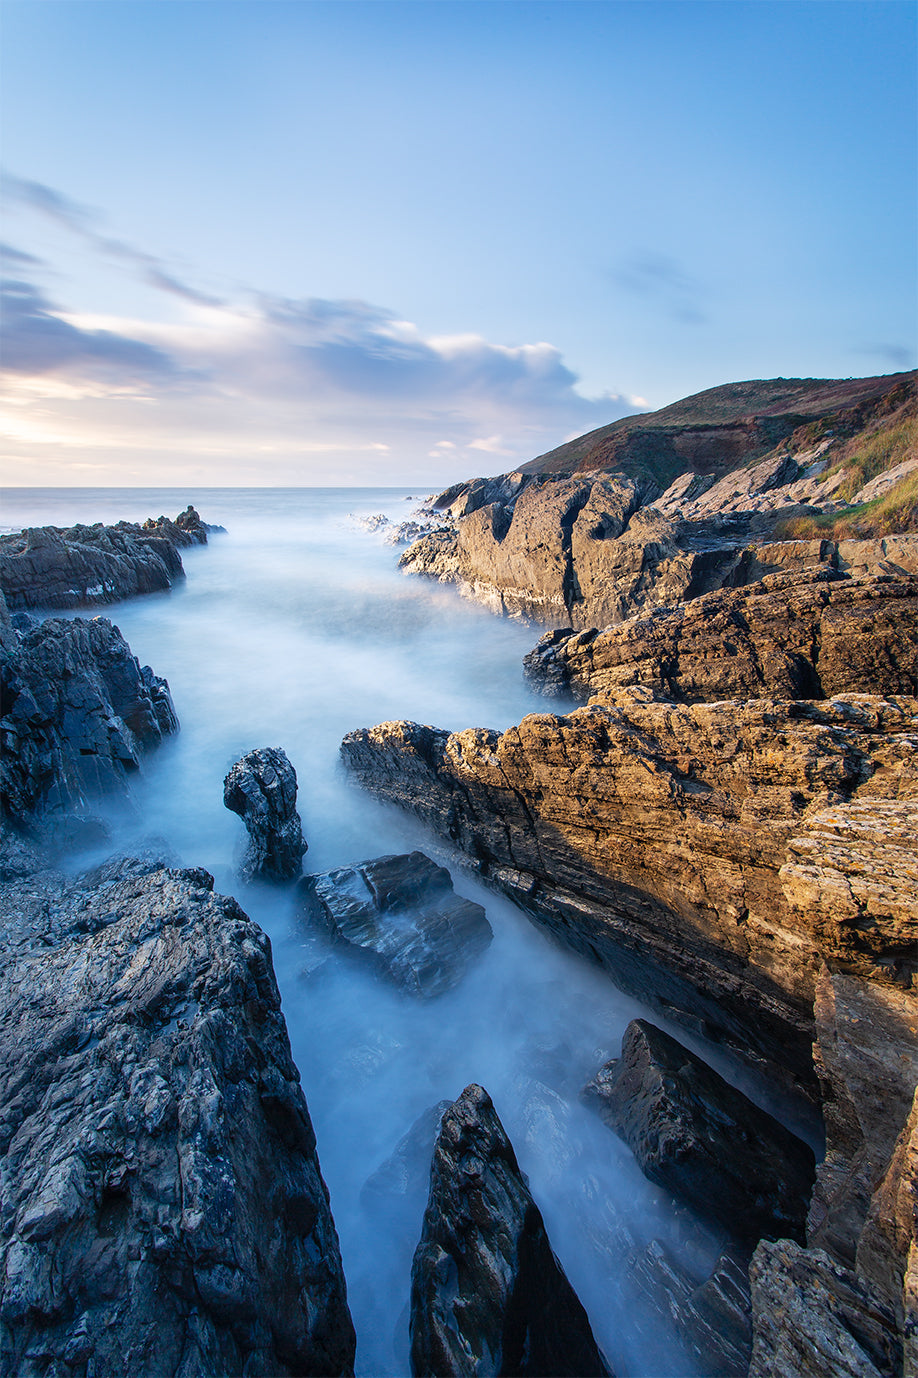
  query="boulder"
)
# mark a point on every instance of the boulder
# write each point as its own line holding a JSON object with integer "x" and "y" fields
{"x": 703, "y": 1140}
{"x": 79, "y": 712}
{"x": 88, "y": 566}
{"x": 163, "y": 1208}
{"x": 488, "y": 1295}
{"x": 401, "y": 914}
{"x": 261, "y": 788}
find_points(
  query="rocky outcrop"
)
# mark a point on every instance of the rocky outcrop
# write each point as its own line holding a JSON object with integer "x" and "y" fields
{"x": 261, "y": 788}
{"x": 711, "y": 1317}
{"x": 809, "y": 634}
{"x": 702, "y": 1139}
{"x": 681, "y": 846}
{"x": 162, "y": 1209}
{"x": 89, "y": 566}
{"x": 400, "y": 913}
{"x": 488, "y": 1295}
{"x": 587, "y": 552}
{"x": 79, "y": 713}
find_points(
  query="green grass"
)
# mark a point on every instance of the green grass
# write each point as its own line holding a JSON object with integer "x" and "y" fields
{"x": 879, "y": 452}
{"x": 894, "y": 512}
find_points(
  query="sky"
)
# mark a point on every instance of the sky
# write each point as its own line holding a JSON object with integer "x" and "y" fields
{"x": 282, "y": 243}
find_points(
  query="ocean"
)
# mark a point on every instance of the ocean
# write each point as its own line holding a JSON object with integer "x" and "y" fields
{"x": 292, "y": 628}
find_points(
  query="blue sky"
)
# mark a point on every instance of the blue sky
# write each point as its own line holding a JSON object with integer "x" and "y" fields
{"x": 358, "y": 243}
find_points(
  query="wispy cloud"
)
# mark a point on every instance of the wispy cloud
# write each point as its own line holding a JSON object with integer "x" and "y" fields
{"x": 897, "y": 356}
{"x": 665, "y": 281}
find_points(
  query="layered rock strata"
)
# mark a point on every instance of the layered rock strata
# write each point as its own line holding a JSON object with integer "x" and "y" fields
{"x": 807, "y": 634}
{"x": 702, "y": 1139}
{"x": 589, "y": 552}
{"x": 261, "y": 789}
{"x": 79, "y": 713}
{"x": 89, "y": 566}
{"x": 163, "y": 1209}
{"x": 710, "y": 856}
{"x": 401, "y": 914}
{"x": 488, "y": 1295}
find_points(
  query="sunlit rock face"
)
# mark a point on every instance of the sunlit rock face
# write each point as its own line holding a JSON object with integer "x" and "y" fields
{"x": 89, "y": 566}
{"x": 163, "y": 1206}
{"x": 79, "y": 713}
{"x": 401, "y": 915}
{"x": 488, "y": 1295}
{"x": 680, "y": 845}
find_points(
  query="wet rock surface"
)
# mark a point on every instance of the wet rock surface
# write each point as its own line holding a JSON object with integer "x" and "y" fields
{"x": 79, "y": 712}
{"x": 712, "y": 1318}
{"x": 807, "y": 634}
{"x": 261, "y": 789}
{"x": 681, "y": 845}
{"x": 702, "y": 1139}
{"x": 89, "y": 566}
{"x": 163, "y": 1209}
{"x": 488, "y": 1295}
{"x": 401, "y": 914}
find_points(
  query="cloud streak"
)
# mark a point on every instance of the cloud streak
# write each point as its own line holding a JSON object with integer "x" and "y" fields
{"x": 663, "y": 280}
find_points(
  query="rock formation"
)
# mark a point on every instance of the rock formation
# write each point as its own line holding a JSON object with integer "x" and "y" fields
{"x": 488, "y": 1295}
{"x": 79, "y": 713}
{"x": 702, "y": 1139}
{"x": 261, "y": 788}
{"x": 163, "y": 1209}
{"x": 808, "y": 634}
{"x": 401, "y": 914}
{"x": 88, "y": 566}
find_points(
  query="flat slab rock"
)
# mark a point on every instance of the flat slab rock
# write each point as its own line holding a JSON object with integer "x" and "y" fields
{"x": 163, "y": 1211}
{"x": 488, "y": 1295}
{"x": 695, "y": 1134}
{"x": 401, "y": 913}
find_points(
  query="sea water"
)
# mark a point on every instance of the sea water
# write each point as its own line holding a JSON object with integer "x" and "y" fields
{"x": 290, "y": 629}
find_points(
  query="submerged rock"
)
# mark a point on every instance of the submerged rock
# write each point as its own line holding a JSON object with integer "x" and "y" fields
{"x": 261, "y": 788}
{"x": 86, "y": 566}
{"x": 695, "y": 1134}
{"x": 488, "y": 1295}
{"x": 163, "y": 1208}
{"x": 402, "y": 914}
{"x": 79, "y": 712}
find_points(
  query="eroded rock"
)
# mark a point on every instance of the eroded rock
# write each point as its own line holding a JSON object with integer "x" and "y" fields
{"x": 79, "y": 712}
{"x": 401, "y": 914}
{"x": 702, "y": 1139}
{"x": 261, "y": 788}
{"x": 488, "y": 1295}
{"x": 163, "y": 1209}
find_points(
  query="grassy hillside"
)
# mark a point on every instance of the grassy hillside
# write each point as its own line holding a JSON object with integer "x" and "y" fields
{"x": 714, "y": 431}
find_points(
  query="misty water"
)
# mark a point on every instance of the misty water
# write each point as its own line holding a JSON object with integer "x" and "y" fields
{"x": 291, "y": 629}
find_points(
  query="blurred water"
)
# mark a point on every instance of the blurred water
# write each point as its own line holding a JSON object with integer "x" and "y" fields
{"x": 291, "y": 629}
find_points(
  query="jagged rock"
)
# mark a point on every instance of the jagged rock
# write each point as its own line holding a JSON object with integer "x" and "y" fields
{"x": 401, "y": 914}
{"x": 261, "y": 788}
{"x": 813, "y": 1318}
{"x": 78, "y": 714}
{"x": 488, "y": 1295}
{"x": 162, "y": 1208}
{"x": 700, "y": 1138}
{"x": 87, "y": 566}
{"x": 652, "y": 836}
{"x": 887, "y": 1244}
{"x": 711, "y": 1318}
{"x": 408, "y": 1164}
{"x": 810, "y": 634}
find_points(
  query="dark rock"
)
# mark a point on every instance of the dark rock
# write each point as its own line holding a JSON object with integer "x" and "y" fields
{"x": 488, "y": 1295}
{"x": 87, "y": 566}
{"x": 78, "y": 714}
{"x": 402, "y": 914}
{"x": 710, "y": 1318}
{"x": 261, "y": 788}
{"x": 405, "y": 1172}
{"x": 807, "y": 634}
{"x": 703, "y": 1140}
{"x": 814, "y": 1318}
{"x": 163, "y": 1209}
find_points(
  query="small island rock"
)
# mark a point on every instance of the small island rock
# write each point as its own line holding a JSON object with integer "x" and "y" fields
{"x": 261, "y": 788}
